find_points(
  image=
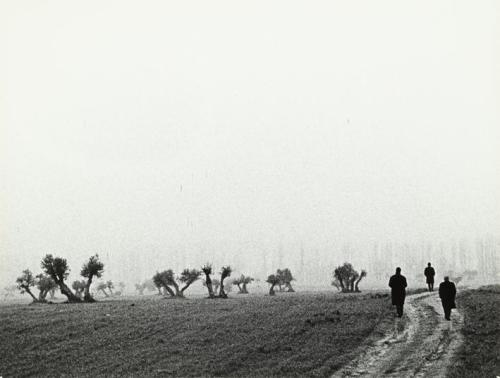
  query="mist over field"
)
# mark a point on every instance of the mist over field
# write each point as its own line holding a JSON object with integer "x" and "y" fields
{"x": 165, "y": 135}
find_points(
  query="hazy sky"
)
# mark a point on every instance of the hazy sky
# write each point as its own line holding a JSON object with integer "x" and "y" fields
{"x": 162, "y": 128}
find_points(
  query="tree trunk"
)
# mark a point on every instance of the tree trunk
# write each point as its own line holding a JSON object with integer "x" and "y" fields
{"x": 27, "y": 289}
{"x": 65, "y": 290}
{"x": 351, "y": 288}
{"x": 290, "y": 288}
{"x": 185, "y": 287}
{"x": 271, "y": 290}
{"x": 105, "y": 293}
{"x": 245, "y": 291}
{"x": 222, "y": 293}
{"x": 86, "y": 296}
{"x": 341, "y": 284}
{"x": 357, "y": 283}
{"x": 178, "y": 292}
{"x": 208, "y": 282}
{"x": 169, "y": 290}
{"x": 42, "y": 295}
{"x": 240, "y": 289}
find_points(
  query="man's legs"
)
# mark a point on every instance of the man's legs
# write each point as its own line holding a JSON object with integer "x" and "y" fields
{"x": 447, "y": 311}
{"x": 399, "y": 308}
{"x": 429, "y": 286}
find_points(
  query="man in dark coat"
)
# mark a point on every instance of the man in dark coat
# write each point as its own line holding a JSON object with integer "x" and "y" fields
{"x": 398, "y": 285}
{"x": 447, "y": 293}
{"x": 429, "y": 275}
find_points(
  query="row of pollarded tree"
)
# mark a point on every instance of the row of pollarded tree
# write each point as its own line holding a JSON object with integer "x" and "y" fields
{"x": 175, "y": 285}
{"x": 55, "y": 273}
{"x": 105, "y": 288}
{"x": 345, "y": 278}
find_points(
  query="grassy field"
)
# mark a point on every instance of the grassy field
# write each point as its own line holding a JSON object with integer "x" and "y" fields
{"x": 480, "y": 354}
{"x": 288, "y": 335}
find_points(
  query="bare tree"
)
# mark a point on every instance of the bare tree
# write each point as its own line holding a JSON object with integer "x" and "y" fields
{"x": 92, "y": 268}
{"x": 57, "y": 268}
{"x": 25, "y": 282}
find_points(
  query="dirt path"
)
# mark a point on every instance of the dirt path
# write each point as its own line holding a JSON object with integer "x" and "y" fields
{"x": 420, "y": 344}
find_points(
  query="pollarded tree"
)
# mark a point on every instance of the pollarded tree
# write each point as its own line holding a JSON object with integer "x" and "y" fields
{"x": 208, "y": 282}
{"x": 188, "y": 276}
{"x": 273, "y": 280}
{"x": 92, "y": 268}
{"x": 110, "y": 286}
{"x": 347, "y": 279}
{"x": 242, "y": 283}
{"x": 45, "y": 285}
{"x": 168, "y": 281}
{"x": 157, "y": 283}
{"x": 216, "y": 284}
{"x": 225, "y": 272}
{"x": 25, "y": 282}
{"x": 102, "y": 286}
{"x": 285, "y": 278}
{"x": 140, "y": 287}
{"x": 163, "y": 280}
{"x": 79, "y": 288}
{"x": 57, "y": 268}
{"x": 358, "y": 280}
{"x": 121, "y": 285}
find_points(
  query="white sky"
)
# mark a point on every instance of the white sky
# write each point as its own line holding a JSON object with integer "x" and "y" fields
{"x": 165, "y": 128}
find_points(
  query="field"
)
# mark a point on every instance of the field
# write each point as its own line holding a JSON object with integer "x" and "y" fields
{"x": 480, "y": 354}
{"x": 306, "y": 334}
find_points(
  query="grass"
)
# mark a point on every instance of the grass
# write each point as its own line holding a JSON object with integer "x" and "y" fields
{"x": 480, "y": 353}
{"x": 288, "y": 335}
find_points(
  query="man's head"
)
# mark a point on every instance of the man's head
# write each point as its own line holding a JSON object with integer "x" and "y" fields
{"x": 429, "y": 265}
{"x": 446, "y": 278}
{"x": 398, "y": 270}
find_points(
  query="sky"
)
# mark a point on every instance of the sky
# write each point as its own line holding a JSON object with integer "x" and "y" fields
{"x": 174, "y": 133}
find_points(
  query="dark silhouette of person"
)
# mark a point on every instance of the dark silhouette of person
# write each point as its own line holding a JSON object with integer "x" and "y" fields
{"x": 429, "y": 273}
{"x": 398, "y": 285}
{"x": 447, "y": 293}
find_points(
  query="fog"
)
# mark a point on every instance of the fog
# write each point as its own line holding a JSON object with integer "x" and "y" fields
{"x": 257, "y": 134}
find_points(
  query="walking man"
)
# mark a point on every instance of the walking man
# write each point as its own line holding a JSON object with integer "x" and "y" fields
{"x": 429, "y": 276}
{"x": 447, "y": 293}
{"x": 398, "y": 285}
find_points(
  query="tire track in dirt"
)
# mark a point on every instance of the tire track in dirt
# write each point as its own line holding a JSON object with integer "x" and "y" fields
{"x": 420, "y": 344}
